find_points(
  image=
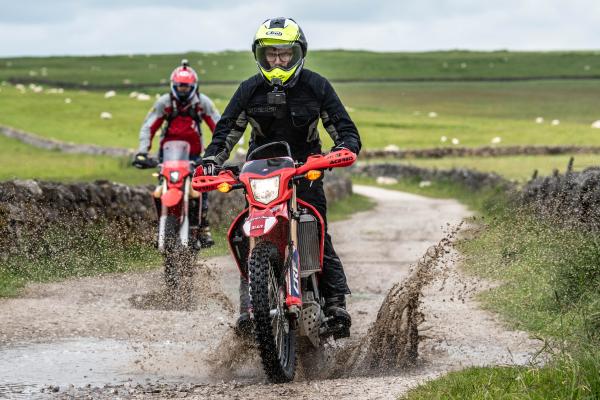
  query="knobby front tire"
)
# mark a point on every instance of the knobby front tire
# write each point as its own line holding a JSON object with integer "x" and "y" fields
{"x": 276, "y": 340}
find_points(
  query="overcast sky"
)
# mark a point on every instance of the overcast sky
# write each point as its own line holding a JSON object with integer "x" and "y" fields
{"x": 57, "y": 27}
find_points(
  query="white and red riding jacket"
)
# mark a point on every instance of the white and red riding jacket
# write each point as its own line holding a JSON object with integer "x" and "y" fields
{"x": 183, "y": 122}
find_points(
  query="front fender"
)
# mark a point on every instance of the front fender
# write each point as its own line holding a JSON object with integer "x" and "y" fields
{"x": 171, "y": 197}
{"x": 262, "y": 221}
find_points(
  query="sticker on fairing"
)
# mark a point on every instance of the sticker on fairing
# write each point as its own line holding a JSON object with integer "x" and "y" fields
{"x": 258, "y": 225}
{"x": 295, "y": 275}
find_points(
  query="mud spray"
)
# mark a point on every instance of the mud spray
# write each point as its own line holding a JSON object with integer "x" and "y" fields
{"x": 391, "y": 344}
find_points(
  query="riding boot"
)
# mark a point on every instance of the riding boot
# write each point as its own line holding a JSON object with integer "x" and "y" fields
{"x": 335, "y": 308}
{"x": 204, "y": 235}
{"x": 243, "y": 326}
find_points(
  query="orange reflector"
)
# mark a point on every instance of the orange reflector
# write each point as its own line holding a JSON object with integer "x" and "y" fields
{"x": 313, "y": 175}
{"x": 224, "y": 187}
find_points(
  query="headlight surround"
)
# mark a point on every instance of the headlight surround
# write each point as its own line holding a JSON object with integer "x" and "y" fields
{"x": 174, "y": 176}
{"x": 265, "y": 190}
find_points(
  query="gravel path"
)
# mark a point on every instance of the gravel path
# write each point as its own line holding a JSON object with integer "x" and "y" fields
{"x": 116, "y": 336}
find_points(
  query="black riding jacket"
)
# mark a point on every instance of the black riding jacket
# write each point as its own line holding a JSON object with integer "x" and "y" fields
{"x": 295, "y": 122}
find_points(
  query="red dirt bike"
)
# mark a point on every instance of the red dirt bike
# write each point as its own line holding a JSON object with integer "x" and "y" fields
{"x": 277, "y": 242}
{"x": 172, "y": 199}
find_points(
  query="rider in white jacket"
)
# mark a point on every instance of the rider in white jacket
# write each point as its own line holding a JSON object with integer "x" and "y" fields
{"x": 181, "y": 113}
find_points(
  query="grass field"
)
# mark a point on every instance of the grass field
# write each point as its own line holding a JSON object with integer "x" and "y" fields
{"x": 228, "y": 65}
{"x": 21, "y": 161}
{"x": 394, "y": 113}
{"x": 408, "y": 115}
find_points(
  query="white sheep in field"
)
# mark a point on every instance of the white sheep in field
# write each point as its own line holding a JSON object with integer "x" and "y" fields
{"x": 386, "y": 180}
{"x": 143, "y": 97}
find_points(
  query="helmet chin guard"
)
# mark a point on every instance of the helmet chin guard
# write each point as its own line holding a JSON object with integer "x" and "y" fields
{"x": 184, "y": 82}
{"x": 279, "y": 49}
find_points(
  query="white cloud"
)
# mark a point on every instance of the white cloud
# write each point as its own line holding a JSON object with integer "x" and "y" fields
{"x": 136, "y": 26}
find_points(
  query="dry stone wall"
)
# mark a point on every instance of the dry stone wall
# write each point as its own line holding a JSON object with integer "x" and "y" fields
{"x": 473, "y": 180}
{"x": 573, "y": 196}
{"x": 29, "y": 207}
{"x": 483, "y": 151}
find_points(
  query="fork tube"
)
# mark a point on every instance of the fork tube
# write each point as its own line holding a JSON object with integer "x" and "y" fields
{"x": 294, "y": 295}
{"x": 294, "y": 221}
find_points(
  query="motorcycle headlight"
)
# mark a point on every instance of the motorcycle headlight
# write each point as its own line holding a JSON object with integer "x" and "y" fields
{"x": 265, "y": 190}
{"x": 174, "y": 176}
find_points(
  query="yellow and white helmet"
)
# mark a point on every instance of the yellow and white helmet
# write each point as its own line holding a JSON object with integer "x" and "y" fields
{"x": 280, "y": 39}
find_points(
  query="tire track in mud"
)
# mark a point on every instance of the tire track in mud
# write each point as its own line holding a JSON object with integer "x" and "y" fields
{"x": 398, "y": 312}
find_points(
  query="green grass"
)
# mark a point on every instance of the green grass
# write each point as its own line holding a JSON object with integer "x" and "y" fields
{"x": 565, "y": 378}
{"x": 550, "y": 274}
{"x": 392, "y": 113}
{"x": 345, "y": 208}
{"x": 27, "y": 162}
{"x": 551, "y": 285}
{"x": 87, "y": 251}
{"x": 336, "y": 64}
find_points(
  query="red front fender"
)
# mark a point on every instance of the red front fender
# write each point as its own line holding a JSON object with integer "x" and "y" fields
{"x": 172, "y": 197}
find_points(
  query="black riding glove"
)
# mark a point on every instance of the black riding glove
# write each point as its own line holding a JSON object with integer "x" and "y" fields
{"x": 209, "y": 167}
{"x": 140, "y": 160}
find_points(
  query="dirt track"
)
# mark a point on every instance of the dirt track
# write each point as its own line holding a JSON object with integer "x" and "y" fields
{"x": 116, "y": 336}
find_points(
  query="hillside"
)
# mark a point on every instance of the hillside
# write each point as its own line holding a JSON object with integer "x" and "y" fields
{"x": 338, "y": 65}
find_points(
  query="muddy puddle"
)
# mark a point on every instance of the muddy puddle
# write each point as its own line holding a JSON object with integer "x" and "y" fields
{"x": 79, "y": 362}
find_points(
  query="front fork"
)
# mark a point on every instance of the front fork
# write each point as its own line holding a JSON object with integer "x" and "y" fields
{"x": 292, "y": 273}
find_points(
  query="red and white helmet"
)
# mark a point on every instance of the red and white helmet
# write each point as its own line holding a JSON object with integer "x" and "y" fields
{"x": 184, "y": 82}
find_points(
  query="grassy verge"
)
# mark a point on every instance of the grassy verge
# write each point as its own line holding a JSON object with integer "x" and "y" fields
{"x": 551, "y": 287}
{"x": 343, "y": 209}
{"x": 87, "y": 251}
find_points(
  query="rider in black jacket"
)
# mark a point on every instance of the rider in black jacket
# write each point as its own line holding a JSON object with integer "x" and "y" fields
{"x": 284, "y": 103}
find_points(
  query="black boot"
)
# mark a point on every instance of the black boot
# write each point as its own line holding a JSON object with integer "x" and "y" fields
{"x": 340, "y": 322}
{"x": 243, "y": 325}
{"x": 205, "y": 237}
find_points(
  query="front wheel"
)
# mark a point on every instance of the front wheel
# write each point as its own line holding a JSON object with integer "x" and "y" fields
{"x": 276, "y": 340}
{"x": 178, "y": 265}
